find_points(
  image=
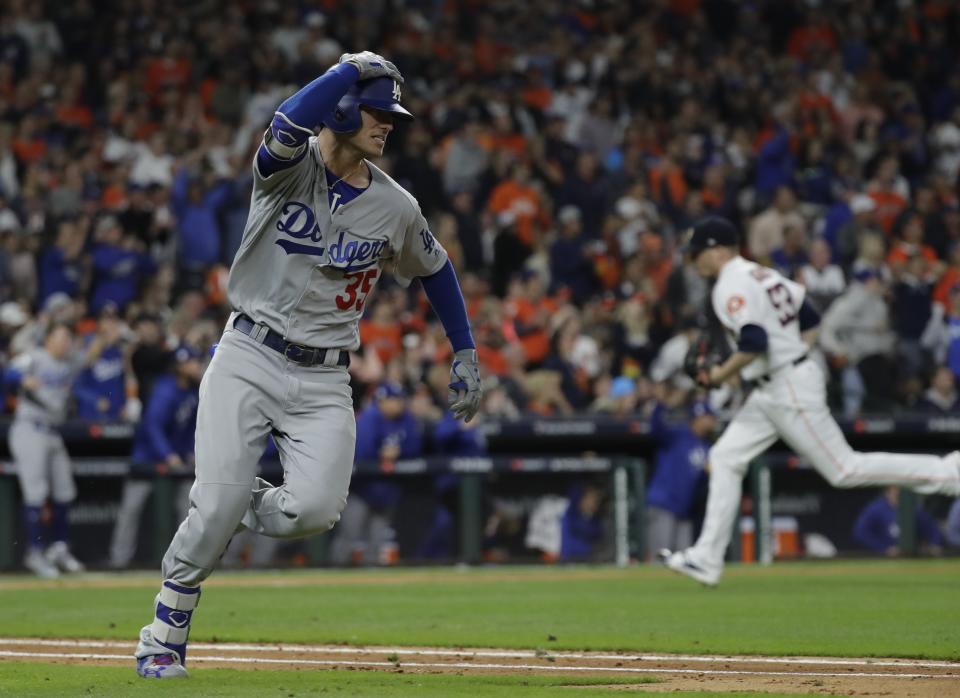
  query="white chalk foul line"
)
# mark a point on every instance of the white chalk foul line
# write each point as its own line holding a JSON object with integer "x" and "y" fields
{"x": 500, "y": 654}
{"x": 474, "y": 665}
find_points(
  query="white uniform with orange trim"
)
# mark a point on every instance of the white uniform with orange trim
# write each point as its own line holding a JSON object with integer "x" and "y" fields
{"x": 789, "y": 402}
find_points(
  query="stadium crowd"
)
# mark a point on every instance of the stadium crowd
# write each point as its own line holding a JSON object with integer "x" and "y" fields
{"x": 560, "y": 150}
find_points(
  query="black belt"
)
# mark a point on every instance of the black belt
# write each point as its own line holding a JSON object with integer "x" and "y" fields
{"x": 306, "y": 356}
{"x": 766, "y": 377}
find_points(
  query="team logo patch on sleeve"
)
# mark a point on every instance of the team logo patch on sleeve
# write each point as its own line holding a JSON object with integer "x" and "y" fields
{"x": 429, "y": 242}
{"x": 735, "y": 304}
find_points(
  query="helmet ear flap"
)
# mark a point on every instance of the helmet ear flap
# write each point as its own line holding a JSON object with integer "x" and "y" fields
{"x": 338, "y": 115}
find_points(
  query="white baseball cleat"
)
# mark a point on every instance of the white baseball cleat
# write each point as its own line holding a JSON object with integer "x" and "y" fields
{"x": 154, "y": 661}
{"x": 59, "y": 556}
{"x": 681, "y": 561}
{"x": 37, "y": 562}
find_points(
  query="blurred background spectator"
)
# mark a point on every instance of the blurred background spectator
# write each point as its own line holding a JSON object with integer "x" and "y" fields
{"x": 877, "y": 530}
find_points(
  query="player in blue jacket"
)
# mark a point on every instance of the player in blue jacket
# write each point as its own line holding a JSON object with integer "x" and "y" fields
{"x": 163, "y": 443}
{"x": 877, "y": 528}
{"x": 101, "y": 389}
{"x": 386, "y": 431}
{"x": 679, "y": 473}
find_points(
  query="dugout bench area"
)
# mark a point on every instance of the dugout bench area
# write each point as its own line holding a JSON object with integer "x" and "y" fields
{"x": 620, "y": 453}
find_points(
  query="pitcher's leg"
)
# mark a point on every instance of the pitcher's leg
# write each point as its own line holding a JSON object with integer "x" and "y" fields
{"x": 747, "y": 436}
{"x": 809, "y": 429}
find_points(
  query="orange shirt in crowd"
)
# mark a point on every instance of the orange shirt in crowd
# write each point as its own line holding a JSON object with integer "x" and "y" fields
{"x": 806, "y": 39}
{"x": 28, "y": 151}
{"x": 75, "y": 115}
{"x": 901, "y": 252}
{"x": 386, "y": 340}
{"x": 492, "y": 360}
{"x": 166, "y": 72}
{"x": 889, "y": 207}
{"x": 523, "y": 202}
{"x": 671, "y": 177}
{"x": 536, "y": 344}
{"x": 950, "y": 278}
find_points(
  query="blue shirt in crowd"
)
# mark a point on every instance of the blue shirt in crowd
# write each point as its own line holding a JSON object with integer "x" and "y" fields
{"x": 578, "y": 532}
{"x": 117, "y": 274}
{"x": 169, "y": 423}
{"x": 876, "y": 528}
{"x": 374, "y": 431}
{"x": 198, "y": 222}
{"x": 681, "y": 458}
{"x": 103, "y": 379}
{"x": 57, "y": 274}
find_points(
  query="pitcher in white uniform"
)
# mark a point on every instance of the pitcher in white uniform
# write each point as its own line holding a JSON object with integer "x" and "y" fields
{"x": 771, "y": 328}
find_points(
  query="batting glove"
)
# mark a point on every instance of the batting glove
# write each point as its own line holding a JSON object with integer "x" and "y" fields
{"x": 372, "y": 65}
{"x": 464, "y": 390}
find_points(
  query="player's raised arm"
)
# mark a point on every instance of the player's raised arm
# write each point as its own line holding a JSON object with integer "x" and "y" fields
{"x": 285, "y": 142}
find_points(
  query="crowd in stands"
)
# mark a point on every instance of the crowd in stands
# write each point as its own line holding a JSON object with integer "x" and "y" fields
{"x": 560, "y": 151}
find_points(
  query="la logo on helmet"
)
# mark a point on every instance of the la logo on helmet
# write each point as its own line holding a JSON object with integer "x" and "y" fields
{"x": 396, "y": 91}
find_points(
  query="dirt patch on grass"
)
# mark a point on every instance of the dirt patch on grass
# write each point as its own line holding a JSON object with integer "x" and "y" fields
{"x": 812, "y": 675}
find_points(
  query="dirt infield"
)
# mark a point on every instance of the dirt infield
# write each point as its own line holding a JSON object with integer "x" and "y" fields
{"x": 813, "y": 675}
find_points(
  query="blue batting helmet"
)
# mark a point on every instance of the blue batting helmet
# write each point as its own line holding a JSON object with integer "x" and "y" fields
{"x": 378, "y": 93}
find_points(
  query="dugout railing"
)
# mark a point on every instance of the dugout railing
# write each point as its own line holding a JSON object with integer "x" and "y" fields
{"x": 626, "y": 477}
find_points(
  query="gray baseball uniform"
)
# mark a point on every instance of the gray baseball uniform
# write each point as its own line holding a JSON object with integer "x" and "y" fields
{"x": 304, "y": 270}
{"x": 43, "y": 466}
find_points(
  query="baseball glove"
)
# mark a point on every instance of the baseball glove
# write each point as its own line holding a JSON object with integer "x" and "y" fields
{"x": 700, "y": 358}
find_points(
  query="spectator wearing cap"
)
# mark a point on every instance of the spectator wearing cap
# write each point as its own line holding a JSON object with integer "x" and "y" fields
{"x": 823, "y": 280}
{"x": 679, "y": 475}
{"x": 877, "y": 530}
{"x": 119, "y": 267}
{"x": 856, "y": 333}
{"x": 766, "y": 232}
{"x": 386, "y": 431}
{"x": 101, "y": 390}
{"x": 163, "y": 444}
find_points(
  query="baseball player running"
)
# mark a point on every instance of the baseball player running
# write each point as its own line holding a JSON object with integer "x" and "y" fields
{"x": 771, "y": 328}
{"x": 324, "y": 224}
{"x": 44, "y": 377}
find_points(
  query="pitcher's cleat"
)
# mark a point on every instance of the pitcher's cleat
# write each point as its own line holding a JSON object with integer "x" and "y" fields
{"x": 58, "y": 555}
{"x": 37, "y": 562}
{"x": 681, "y": 561}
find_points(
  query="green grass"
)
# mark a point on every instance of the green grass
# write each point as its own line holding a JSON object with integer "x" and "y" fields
{"x": 58, "y": 680}
{"x": 896, "y": 608}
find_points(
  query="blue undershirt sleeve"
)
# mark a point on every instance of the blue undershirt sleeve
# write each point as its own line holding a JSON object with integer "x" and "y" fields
{"x": 284, "y": 143}
{"x": 808, "y": 317}
{"x": 443, "y": 292}
{"x": 753, "y": 339}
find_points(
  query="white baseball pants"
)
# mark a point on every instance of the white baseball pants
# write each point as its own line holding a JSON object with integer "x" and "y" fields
{"x": 793, "y": 406}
